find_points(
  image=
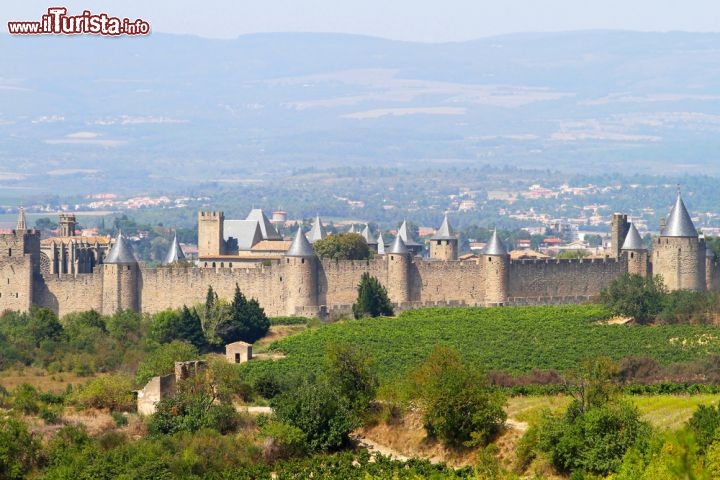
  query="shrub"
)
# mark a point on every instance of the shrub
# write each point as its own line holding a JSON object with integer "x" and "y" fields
{"x": 18, "y": 449}
{"x": 25, "y": 399}
{"x": 592, "y": 441}
{"x": 349, "y": 370}
{"x": 460, "y": 407}
{"x": 704, "y": 424}
{"x": 112, "y": 392}
{"x": 162, "y": 360}
{"x": 282, "y": 441}
{"x": 320, "y": 412}
{"x": 289, "y": 320}
{"x": 635, "y": 296}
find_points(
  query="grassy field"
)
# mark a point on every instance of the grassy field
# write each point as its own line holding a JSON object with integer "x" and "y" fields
{"x": 511, "y": 339}
{"x": 666, "y": 412}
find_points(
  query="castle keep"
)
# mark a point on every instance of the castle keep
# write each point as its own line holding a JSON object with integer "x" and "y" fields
{"x": 288, "y": 278}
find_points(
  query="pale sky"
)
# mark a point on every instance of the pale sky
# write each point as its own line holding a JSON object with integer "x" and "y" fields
{"x": 415, "y": 20}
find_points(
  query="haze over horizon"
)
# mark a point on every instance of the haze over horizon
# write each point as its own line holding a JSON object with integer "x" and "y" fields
{"x": 424, "y": 21}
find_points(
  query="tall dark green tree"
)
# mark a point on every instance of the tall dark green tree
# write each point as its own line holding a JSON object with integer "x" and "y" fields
{"x": 372, "y": 300}
{"x": 247, "y": 320}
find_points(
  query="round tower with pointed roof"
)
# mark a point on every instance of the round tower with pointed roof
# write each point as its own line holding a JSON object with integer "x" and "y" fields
{"x": 121, "y": 278}
{"x": 496, "y": 265}
{"x": 300, "y": 275}
{"x": 398, "y": 260}
{"x": 444, "y": 244}
{"x": 636, "y": 253}
{"x": 679, "y": 253}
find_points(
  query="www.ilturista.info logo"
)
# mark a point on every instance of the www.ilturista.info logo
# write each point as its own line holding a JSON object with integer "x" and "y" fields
{"x": 58, "y": 22}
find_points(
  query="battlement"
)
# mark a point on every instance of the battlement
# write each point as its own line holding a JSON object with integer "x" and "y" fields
{"x": 211, "y": 215}
{"x": 565, "y": 261}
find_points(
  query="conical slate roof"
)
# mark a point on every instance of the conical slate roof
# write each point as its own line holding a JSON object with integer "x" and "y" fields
{"x": 495, "y": 246}
{"x": 633, "y": 240}
{"x": 367, "y": 236}
{"x": 445, "y": 232}
{"x": 175, "y": 253}
{"x": 405, "y": 235}
{"x": 380, "y": 244}
{"x": 121, "y": 252}
{"x": 266, "y": 227}
{"x": 351, "y": 229}
{"x": 317, "y": 232}
{"x": 300, "y": 246}
{"x": 21, "y": 222}
{"x": 398, "y": 247}
{"x": 679, "y": 223}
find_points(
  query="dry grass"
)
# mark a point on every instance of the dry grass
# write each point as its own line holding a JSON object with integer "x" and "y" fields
{"x": 276, "y": 333}
{"x": 41, "y": 379}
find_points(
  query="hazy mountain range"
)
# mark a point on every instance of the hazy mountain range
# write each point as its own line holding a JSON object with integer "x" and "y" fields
{"x": 85, "y": 113}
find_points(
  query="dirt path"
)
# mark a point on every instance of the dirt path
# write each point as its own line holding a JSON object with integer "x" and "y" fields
{"x": 516, "y": 425}
{"x": 374, "y": 446}
{"x": 253, "y": 410}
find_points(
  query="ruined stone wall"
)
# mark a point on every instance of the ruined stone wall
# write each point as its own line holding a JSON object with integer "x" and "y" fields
{"x": 70, "y": 293}
{"x": 543, "y": 281}
{"x": 680, "y": 261}
{"x": 173, "y": 287}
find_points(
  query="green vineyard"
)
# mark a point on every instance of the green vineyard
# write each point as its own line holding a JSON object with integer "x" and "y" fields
{"x": 512, "y": 339}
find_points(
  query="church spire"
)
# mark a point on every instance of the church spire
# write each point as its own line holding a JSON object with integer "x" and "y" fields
{"x": 21, "y": 222}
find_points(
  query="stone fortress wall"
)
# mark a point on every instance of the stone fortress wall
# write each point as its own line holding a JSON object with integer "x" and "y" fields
{"x": 303, "y": 284}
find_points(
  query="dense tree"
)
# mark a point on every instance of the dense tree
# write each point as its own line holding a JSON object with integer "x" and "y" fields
{"x": 182, "y": 325}
{"x": 247, "y": 321}
{"x": 18, "y": 449}
{"x": 349, "y": 370}
{"x": 162, "y": 360}
{"x": 460, "y": 407}
{"x": 343, "y": 246}
{"x": 45, "y": 224}
{"x": 320, "y": 411}
{"x": 635, "y": 296}
{"x": 194, "y": 406}
{"x": 598, "y": 427}
{"x": 705, "y": 424}
{"x": 372, "y": 300}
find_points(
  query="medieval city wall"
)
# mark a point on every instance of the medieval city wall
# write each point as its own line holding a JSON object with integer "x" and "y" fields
{"x": 338, "y": 280}
{"x": 70, "y": 293}
{"x": 548, "y": 281}
{"x": 173, "y": 287}
{"x": 448, "y": 282}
